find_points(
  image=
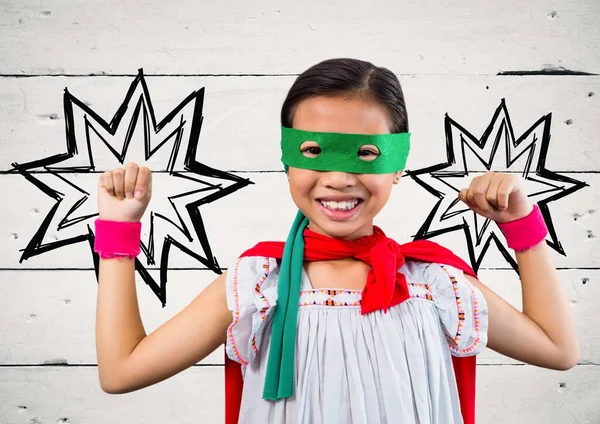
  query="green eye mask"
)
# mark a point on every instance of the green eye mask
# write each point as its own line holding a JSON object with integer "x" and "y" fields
{"x": 340, "y": 151}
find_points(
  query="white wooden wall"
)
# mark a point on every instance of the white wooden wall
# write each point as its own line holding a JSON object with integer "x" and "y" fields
{"x": 455, "y": 57}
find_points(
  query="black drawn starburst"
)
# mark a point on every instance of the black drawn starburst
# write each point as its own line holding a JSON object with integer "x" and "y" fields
{"x": 91, "y": 139}
{"x": 498, "y": 149}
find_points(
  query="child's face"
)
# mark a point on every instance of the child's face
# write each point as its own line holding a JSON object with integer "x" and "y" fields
{"x": 340, "y": 204}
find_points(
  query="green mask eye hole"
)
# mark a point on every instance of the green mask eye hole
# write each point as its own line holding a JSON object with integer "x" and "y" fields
{"x": 368, "y": 153}
{"x": 310, "y": 149}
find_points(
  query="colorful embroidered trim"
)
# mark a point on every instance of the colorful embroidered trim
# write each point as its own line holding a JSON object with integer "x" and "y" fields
{"x": 232, "y": 348}
{"x": 265, "y": 303}
{"x": 476, "y": 321}
{"x": 420, "y": 291}
{"x": 454, "y": 342}
{"x": 341, "y": 297}
{"x": 330, "y": 297}
{"x": 461, "y": 312}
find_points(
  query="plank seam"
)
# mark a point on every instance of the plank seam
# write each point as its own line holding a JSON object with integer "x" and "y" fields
{"x": 225, "y": 269}
{"x": 266, "y": 171}
{"x": 261, "y": 75}
{"x": 580, "y": 364}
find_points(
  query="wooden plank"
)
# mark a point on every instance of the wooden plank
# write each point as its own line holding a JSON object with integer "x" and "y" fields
{"x": 237, "y": 221}
{"x": 525, "y": 394}
{"x": 505, "y": 394}
{"x": 73, "y": 395}
{"x": 240, "y": 130}
{"x": 214, "y": 37}
{"x": 581, "y": 289}
{"x": 48, "y": 317}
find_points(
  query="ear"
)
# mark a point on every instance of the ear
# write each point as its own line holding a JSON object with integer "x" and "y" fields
{"x": 397, "y": 176}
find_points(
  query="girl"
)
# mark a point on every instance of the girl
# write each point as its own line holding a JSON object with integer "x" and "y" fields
{"x": 341, "y": 324}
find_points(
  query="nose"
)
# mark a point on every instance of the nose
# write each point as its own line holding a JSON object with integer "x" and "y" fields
{"x": 338, "y": 180}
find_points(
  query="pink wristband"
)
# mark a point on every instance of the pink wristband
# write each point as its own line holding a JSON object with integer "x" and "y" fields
{"x": 115, "y": 239}
{"x": 525, "y": 233}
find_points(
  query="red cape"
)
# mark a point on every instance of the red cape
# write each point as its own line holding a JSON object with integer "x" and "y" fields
{"x": 420, "y": 250}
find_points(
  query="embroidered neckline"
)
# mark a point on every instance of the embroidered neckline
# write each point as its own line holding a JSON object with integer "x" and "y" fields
{"x": 330, "y": 297}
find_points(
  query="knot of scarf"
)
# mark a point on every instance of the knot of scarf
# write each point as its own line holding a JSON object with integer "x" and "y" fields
{"x": 385, "y": 286}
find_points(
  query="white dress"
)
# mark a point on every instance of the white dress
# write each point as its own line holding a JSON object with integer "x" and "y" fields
{"x": 392, "y": 367}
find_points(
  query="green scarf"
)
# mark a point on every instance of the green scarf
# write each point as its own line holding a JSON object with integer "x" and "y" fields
{"x": 339, "y": 152}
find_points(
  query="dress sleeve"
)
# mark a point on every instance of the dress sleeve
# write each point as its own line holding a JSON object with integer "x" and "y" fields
{"x": 461, "y": 307}
{"x": 251, "y": 287}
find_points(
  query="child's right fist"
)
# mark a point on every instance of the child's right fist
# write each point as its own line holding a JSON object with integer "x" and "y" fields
{"x": 124, "y": 194}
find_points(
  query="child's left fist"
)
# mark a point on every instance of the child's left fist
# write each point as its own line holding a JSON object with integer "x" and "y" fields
{"x": 499, "y": 197}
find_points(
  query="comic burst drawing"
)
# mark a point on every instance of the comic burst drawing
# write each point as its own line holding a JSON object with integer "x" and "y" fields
{"x": 88, "y": 139}
{"x": 498, "y": 149}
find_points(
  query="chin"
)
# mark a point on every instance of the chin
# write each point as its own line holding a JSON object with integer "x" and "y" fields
{"x": 338, "y": 229}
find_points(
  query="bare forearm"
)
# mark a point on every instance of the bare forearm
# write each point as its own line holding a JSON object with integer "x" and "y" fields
{"x": 544, "y": 300}
{"x": 119, "y": 326}
{"x": 543, "y": 334}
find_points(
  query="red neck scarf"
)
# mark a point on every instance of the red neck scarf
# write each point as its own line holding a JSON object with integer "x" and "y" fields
{"x": 385, "y": 287}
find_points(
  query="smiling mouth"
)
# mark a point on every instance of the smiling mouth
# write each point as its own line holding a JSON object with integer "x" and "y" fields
{"x": 344, "y": 205}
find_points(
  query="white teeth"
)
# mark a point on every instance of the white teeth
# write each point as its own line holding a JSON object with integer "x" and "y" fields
{"x": 340, "y": 206}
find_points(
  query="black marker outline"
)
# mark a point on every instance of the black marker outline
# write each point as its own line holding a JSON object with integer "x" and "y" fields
{"x": 191, "y": 165}
{"x": 501, "y": 117}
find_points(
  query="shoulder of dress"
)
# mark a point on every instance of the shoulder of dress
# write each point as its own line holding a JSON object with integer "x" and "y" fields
{"x": 429, "y": 272}
{"x": 253, "y": 264}
{"x": 414, "y": 267}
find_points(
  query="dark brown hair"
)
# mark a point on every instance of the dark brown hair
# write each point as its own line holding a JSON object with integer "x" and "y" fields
{"x": 349, "y": 78}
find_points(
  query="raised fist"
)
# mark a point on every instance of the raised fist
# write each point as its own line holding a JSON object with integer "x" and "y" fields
{"x": 124, "y": 193}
